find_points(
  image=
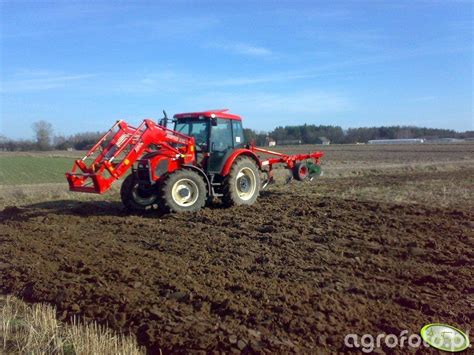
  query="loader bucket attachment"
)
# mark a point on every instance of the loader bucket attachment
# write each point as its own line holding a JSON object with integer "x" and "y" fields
{"x": 84, "y": 181}
{"x": 113, "y": 155}
{"x": 108, "y": 159}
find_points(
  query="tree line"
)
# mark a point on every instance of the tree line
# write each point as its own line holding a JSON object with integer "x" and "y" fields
{"x": 44, "y": 138}
{"x": 312, "y": 134}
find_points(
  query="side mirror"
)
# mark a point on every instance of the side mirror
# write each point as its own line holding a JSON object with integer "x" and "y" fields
{"x": 164, "y": 121}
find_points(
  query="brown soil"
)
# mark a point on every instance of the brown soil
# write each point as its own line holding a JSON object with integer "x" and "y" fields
{"x": 297, "y": 271}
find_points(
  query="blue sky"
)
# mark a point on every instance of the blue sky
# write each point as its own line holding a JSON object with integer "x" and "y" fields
{"x": 83, "y": 65}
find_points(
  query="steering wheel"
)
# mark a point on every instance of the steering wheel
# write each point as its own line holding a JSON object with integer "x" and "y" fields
{"x": 201, "y": 147}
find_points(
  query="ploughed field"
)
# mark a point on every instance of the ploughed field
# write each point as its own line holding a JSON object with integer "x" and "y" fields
{"x": 383, "y": 242}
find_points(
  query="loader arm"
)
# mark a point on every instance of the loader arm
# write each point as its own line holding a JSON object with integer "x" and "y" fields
{"x": 113, "y": 155}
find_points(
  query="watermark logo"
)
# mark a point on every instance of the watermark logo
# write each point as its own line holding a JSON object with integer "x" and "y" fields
{"x": 439, "y": 336}
{"x": 445, "y": 337}
{"x": 368, "y": 343}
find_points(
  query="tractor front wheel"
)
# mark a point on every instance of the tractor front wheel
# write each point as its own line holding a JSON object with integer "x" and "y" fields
{"x": 136, "y": 197}
{"x": 183, "y": 191}
{"x": 242, "y": 185}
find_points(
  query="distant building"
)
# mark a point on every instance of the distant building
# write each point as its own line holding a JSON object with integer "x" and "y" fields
{"x": 397, "y": 141}
{"x": 323, "y": 141}
{"x": 272, "y": 143}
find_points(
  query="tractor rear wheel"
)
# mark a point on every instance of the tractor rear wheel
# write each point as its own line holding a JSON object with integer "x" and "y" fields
{"x": 242, "y": 185}
{"x": 136, "y": 197}
{"x": 183, "y": 191}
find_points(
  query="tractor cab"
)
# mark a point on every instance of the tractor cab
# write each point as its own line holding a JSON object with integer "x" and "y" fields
{"x": 216, "y": 133}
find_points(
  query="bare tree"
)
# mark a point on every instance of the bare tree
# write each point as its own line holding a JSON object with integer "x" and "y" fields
{"x": 44, "y": 133}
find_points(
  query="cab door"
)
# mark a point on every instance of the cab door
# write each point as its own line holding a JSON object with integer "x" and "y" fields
{"x": 221, "y": 144}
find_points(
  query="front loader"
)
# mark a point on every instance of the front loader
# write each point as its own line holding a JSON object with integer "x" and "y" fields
{"x": 180, "y": 170}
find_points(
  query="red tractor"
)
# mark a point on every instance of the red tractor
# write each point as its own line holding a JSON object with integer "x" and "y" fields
{"x": 180, "y": 170}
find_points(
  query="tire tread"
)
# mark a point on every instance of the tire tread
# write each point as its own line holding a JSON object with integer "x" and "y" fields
{"x": 230, "y": 197}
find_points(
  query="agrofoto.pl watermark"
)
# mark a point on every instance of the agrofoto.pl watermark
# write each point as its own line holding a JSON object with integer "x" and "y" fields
{"x": 439, "y": 336}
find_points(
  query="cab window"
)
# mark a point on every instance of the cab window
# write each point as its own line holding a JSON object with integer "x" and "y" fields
{"x": 194, "y": 128}
{"x": 221, "y": 137}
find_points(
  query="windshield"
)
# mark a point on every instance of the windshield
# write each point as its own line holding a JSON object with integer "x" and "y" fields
{"x": 195, "y": 128}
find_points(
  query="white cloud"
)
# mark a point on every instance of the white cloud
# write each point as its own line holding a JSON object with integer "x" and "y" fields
{"x": 260, "y": 79}
{"x": 179, "y": 81}
{"x": 243, "y": 49}
{"x": 250, "y": 50}
{"x": 39, "y": 80}
{"x": 296, "y": 102}
{"x": 265, "y": 110}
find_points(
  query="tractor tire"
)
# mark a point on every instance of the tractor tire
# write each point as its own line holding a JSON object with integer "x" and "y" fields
{"x": 135, "y": 198}
{"x": 183, "y": 191}
{"x": 242, "y": 185}
{"x": 301, "y": 171}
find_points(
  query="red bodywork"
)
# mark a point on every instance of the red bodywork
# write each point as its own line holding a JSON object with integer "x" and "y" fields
{"x": 113, "y": 155}
{"x": 289, "y": 160}
{"x": 222, "y": 113}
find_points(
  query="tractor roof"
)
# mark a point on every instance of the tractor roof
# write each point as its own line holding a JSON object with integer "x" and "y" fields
{"x": 210, "y": 114}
